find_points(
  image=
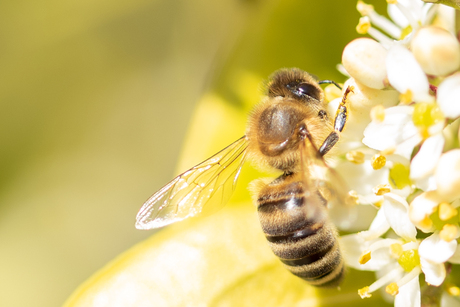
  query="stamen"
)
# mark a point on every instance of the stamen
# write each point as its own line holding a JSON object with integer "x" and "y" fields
{"x": 352, "y": 198}
{"x": 364, "y": 25}
{"x": 392, "y": 1}
{"x": 365, "y": 257}
{"x": 363, "y": 8}
{"x": 426, "y": 223}
{"x": 384, "y": 243}
{"x": 380, "y": 37}
{"x": 364, "y": 292}
{"x": 378, "y": 113}
{"x": 392, "y": 289}
{"x": 448, "y": 232}
{"x": 378, "y": 204}
{"x": 409, "y": 276}
{"x": 446, "y": 211}
{"x": 406, "y": 97}
{"x": 381, "y": 189}
{"x": 378, "y": 161}
{"x": 407, "y": 13}
{"x": 384, "y": 280}
{"x": 453, "y": 290}
{"x": 355, "y": 156}
{"x": 384, "y": 24}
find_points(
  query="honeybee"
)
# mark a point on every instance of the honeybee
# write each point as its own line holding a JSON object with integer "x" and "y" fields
{"x": 289, "y": 130}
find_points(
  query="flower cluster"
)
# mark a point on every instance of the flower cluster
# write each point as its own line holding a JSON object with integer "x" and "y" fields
{"x": 401, "y": 150}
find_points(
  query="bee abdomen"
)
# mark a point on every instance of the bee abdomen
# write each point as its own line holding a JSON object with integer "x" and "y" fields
{"x": 300, "y": 236}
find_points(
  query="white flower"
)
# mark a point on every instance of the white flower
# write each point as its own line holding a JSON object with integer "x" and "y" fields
{"x": 401, "y": 156}
{"x": 398, "y": 263}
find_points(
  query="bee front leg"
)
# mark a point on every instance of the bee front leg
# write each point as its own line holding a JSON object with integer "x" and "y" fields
{"x": 339, "y": 123}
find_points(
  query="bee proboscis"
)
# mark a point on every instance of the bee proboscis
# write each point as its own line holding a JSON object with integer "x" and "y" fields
{"x": 289, "y": 130}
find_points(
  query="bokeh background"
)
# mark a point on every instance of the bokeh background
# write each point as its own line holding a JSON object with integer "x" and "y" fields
{"x": 96, "y": 98}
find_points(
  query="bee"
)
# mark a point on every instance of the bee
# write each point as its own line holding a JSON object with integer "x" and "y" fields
{"x": 289, "y": 130}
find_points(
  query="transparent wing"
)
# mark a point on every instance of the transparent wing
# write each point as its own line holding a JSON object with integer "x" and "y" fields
{"x": 203, "y": 188}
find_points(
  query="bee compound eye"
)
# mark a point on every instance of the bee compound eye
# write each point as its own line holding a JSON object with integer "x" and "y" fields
{"x": 305, "y": 89}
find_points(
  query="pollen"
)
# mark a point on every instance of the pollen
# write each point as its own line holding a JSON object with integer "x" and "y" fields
{"x": 392, "y": 1}
{"x": 406, "y": 97}
{"x": 453, "y": 290}
{"x": 355, "y": 156}
{"x": 381, "y": 189}
{"x": 409, "y": 260}
{"x": 396, "y": 250}
{"x": 446, "y": 211}
{"x": 378, "y": 161}
{"x": 364, "y": 292}
{"x": 352, "y": 198}
{"x": 364, "y": 25}
{"x": 364, "y": 258}
{"x": 378, "y": 113}
{"x": 426, "y": 222}
{"x": 364, "y": 8}
{"x": 448, "y": 232}
{"x": 378, "y": 204}
{"x": 392, "y": 289}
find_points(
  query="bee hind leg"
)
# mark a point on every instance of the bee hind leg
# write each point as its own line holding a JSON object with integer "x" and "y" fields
{"x": 339, "y": 123}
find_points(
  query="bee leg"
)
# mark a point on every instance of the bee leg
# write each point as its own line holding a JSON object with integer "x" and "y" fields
{"x": 339, "y": 123}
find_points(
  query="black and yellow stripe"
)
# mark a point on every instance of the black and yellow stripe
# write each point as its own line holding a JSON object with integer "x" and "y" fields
{"x": 299, "y": 233}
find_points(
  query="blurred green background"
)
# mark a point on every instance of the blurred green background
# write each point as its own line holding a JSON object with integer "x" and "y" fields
{"x": 96, "y": 99}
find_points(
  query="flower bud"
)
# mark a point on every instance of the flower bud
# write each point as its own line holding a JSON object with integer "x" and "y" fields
{"x": 447, "y": 174}
{"x": 364, "y": 60}
{"x": 436, "y": 50}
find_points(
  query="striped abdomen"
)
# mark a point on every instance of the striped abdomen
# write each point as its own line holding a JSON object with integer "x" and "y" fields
{"x": 299, "y": 232}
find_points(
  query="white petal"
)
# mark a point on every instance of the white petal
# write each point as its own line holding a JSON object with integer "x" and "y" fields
{"x": 435, "y": 273}
{"x": 353, "y": 246}
{"x": 449, "y": 96}
{"x": 362, "y": 177}
{"x": 409, "y": 294}
{"x": 424, "y": 163}
{"x": 396, "y": 131}
{"x": 422, "y": 206}
{"x": 352, "y": 219}
{"x": 398, "y": 17}
{"x": 404, "y": 73}
{"x": 378, "y": 227}
{"x": 396, "y": 211}
{"x": 437, "y": 250}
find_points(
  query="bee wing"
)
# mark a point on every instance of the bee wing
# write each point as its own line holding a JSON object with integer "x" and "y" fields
{"x": 205, "y": 187}
{"x": 318, "y": 177}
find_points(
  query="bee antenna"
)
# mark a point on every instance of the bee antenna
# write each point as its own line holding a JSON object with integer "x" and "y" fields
{"x": 329, "y": 82}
